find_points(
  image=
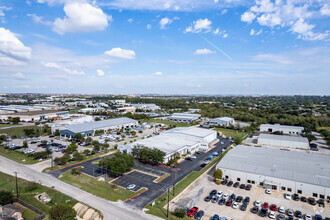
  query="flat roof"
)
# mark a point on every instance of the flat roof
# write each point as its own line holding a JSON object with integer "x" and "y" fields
{"x": 291, "y": 165}
{"x": 78, "y": 128}
{"x": 222, "y": 119}
{"x": 284, "y": 138}
{"x": 281, "y": 126}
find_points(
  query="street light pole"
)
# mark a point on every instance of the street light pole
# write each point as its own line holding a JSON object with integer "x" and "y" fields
{"x": 16, "y": 185}
{"x": 168, "y": 200}
{"x": 173, "y": 180}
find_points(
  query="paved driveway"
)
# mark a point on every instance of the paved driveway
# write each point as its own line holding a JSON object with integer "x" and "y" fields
{"x": 138, "y": 178}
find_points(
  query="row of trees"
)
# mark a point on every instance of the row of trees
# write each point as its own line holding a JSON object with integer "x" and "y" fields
{"x": 117, "y": 163}
{"x": 148, "y": 154}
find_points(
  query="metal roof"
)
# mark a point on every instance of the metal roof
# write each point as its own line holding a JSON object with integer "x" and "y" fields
{"x": 278, "y": 126}
{"x": 79, "y": 128}
{"x": 284, "y": 138}
{"x": 291, "y": 165}
{"x": 227, "y": 119}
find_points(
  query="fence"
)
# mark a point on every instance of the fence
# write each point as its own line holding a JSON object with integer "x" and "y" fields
{"x": 41, "y": 214}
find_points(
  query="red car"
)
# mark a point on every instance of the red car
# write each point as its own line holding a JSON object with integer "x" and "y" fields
{"x": 229, "y": 202}
{"x": 265, "y": 205}
{"x": 64, "y": 151}
{"x": 192, "y": 212}
{"x": 273, "y": 207}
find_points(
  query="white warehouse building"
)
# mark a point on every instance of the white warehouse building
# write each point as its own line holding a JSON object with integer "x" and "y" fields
{"x": 286, "y": 129}
{"x": 184, "y": 117}
{"x": 222, "y": 121}
{"x": 177, "y": 141}
{"x": 287, "y": 171}
{"x": 283, "y": 141}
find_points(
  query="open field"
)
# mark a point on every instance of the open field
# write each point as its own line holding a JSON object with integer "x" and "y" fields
{"x": 99, "y": 188}
{"x": 17, "y": 131}
{"x": 231, "y": 133}
{"x": 326, "y": 128}
{"x": 28, "y": 196}
{"x": 7, "y": 125}
{"x": 168, "y": 123}
{"x": 19, "y": 157}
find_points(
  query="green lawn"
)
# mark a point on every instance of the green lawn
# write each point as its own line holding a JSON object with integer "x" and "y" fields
{"x": 326, "y": 128}
{"x": 27, "y": 213}
{"x": 98, "y": 188}
{"x": 168, "y": 123}
{"x": 158, "y": 209}
{"x": 7, "y": 184}
{"x": 17, "y": 156}
{"x": 231, "y": 133}
{"x": 17, "y": 131}
{"x": 6, "y": 125}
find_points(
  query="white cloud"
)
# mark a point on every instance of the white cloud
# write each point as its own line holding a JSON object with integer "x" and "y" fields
{"x": 216, "y": 31}
{"x": 148, "y": 26}
{"x": 216, "y": 1}
{"x": 81, "y": 17}
{"x": 158, "y": 73}
{"x": 19, "y": 76}
{"x": 248, "y": 17}
{"x": 100, "y": 73}
{"x": 2, "y": 13}
{"x": 62, "y": 68}
{"x": 203, "y": 52}
{"x": 130, "y": 20}
{"x": 224, "y": 11}
{"x": 12, "y": 49}
{"x": 165, "y": 21}
{"x": 273, "y": 58}
{"x": 39, "y": 19}
{"x": 305, "y": 31}
{"x": 325, "y": 10}
{"x": 200, "y": 25}
{"x": 225, "y": 35}
{"x": 253, "y": 32}
{"x": 121, "y": 53}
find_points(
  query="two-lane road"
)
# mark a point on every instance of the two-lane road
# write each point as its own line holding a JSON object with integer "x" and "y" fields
{"x": 110, "y": 210}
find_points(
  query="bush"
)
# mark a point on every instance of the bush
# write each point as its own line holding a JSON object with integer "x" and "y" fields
{"x": 181, "y": 213}
{"x": 6, "y": 197}
{"x": 76, "y": 171}
{"x": 62, "y": 212}
{"x": 30, "y": 186}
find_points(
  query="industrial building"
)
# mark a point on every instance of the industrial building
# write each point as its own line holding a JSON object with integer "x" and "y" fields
{"x": 90, "y": 110}
{"x": 124, "y": 110}
{"x": 291, "y": 130}
{"x": 222, "y": 121}
{"x": 88, "y": 129}
{"x": 184, "y": 117}
{"x": 146, "y": 107}
{"x": 291, "y": 171}
{"x": 177, "y": 141}
{"x": 283, "y": 141}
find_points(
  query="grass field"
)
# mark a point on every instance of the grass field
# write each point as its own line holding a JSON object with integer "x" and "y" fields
{"x": 27, "y": 213}
{"x": 17, "y": 131}
{"x": 6, "y": 125}
{"x": 159, "y": 210}
{"x": 98, "y": 188}
{"x": 231, "y": 133}
{"x": 168, "y": 123}
{"x": 6, "y": 183}
{"x": 17, "y": 156}
{"x": 326, "y": 128}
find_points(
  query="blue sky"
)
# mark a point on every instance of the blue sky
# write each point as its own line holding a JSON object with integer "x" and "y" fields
{"x": 165, "y": 46}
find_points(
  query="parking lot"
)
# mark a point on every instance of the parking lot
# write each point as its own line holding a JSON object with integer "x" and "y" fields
{"x": 196, "y": 193}
{"x": 139, "y": 179}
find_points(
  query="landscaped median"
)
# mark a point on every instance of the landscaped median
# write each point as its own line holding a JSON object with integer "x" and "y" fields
{"x": 158, "y": 208}
{"x": 101, "y": 189}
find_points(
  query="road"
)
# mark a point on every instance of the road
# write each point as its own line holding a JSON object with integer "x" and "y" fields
{"x": 17, "y": 126}
{"x": 110, "y": 210}
{"x": 323, "y": 147}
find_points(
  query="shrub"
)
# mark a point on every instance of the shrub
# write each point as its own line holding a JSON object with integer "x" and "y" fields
{"x": 76, "y": 171}
{"x": 6, "y": 197}
{"x": 30, "y": 186}
{"x": 62, "y": 212}
{"x": 181, "y": 213}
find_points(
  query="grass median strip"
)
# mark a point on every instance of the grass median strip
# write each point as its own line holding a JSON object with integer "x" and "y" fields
{"x": 158, "y": 208}
{"x": 98, "y": 188}
{"x": 17, "y": 156}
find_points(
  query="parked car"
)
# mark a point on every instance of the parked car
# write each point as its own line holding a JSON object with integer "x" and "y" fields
{"x": 235, "y": 205}
{"x": 208, "y": 198}
{"x": 271, "y": 214}
{"x": 236, "y": 185}
{"x": 222, "y": 201}
{"x": 246, "y": 200}
{"x": 318, "y": 217}
{"x": 255, "y": 210}
{"x": 248, "y": 187}
{"x": 265, "y": 205}
{"x": 281, "y": 209}
{"x": 215, "y": 217}
{"x": 303, "y": 199}
{"x": 233, "y": 196}
{"x": 213, "y": 192}
{"x": 224, "y": 182}
{"x": 189, "y": 158}
{"x": 311, "y": 201}
{"x": 242, "y": 186}
{"x": 229, "y": 202}
{"x": 192, "y": 212}
{"x": 257, "y": 203}
{"x": 130, "y": 186}
{"x": 290, "y": 212}
{"x": 225, "y": 196}
{"x": 263, "y": 212}
{"x": 287, "y": 196}
{"x": 199, "y": 214}
{"x": 215, "y": 199}
{"x": 273, "y": 207}
{"x": 298, "y": 214}
{"x": 268, "y": 191}
{"x": 193, "y": 157}
{"x": 219, "y": 193}
{"x": 281, "y": 217}
{"x": 239, "y": 199}
{"x": 321, "y": 202}
{"x": 295, "y": 197}
{"x": 230, "y": 183}
{"x": 243, "y": 207}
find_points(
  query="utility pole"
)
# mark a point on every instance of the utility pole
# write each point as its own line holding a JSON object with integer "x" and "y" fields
{"x": 16, "y": 185}
{"x": 173, "y": 180}
{"x": 168, "y": 200}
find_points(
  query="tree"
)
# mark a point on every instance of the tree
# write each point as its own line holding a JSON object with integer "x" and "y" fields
{"x": 79, "y": 137}
{"x": 97, "y": 119}
{"x": 15, "y": 120}
{"x": 6, "y": 197}
{"x": 46, "y": 129}
{"x": 133, "y": 133}
{"x": 29, "y": 132}
{"x": 148, "y": 154}
{"x": 105, "y": 146}
{"x": 72, "y": 147}
{"x": 2, "y": 138}
{"x": 76, "y": 171}
{"x": 25, "y": 144}
{"x": 86, "y": 152}
{"x": 88, "y": 140}
{"x": 181, "y": 213}
{"x": 117, "y": 163}
{"x": 78, "y": 156}
{"x": 217, "y": 174}
{"x": 62, "y": 160}
{"x": 238, "y": 140}
{"x": 57, "y": 133}
{"x": 62, "y": 212}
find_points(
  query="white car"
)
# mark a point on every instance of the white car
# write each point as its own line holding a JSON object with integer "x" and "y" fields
{"x": 287, "y": 196}
{"x": 219, "y": 193}
{"x": 257, "y": 203}
{"x": 28, "y": 151}
{"x": 225, "y": 196}
{"x": 130, "y": 186}
{"x": 268, "y": 191}
{"x": 235, "y": 205}
{"x": 193, "y": 157}
{"x": 308, "y": 217}
{"x": 271, "y": 214}
{"x": 281, "y": 209}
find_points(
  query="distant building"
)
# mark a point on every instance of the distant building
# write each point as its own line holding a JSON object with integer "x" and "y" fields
{"x": 88, "y": 129}
{"x": 91, "y": 110}
{"x": 146, "y": 107}
{"x": 222, "y": 121}
{"x": 283, "y": 141}
{"x": 118, "y": 101}
{"x": 286, "y": 171}
{"x": 184, "y": 117}
{"x": 194, "y": 110}
{"x": 177, "y": 141}
{"x": 292, "y": 130}
{"x": 124, "y": 110}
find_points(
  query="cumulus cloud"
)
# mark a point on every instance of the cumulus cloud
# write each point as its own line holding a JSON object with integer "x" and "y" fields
{"x": 12, "y": 49}
{"x": 288, "y": 13}
{"x": 100, "y": 73}
{"x": 200, "y": 25}
{"x": 19, "y": 76}
{"x": 165, "y": 21}
{"x": 253, "y": 32}
{"x": 158, "y": 73}
{"x": 81, "y": 17}
{"x": 121, "y": 53}
{"x": 203, "y": 52}
{"x": 39, "y": 19}
{"x": 62, "y": 68}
